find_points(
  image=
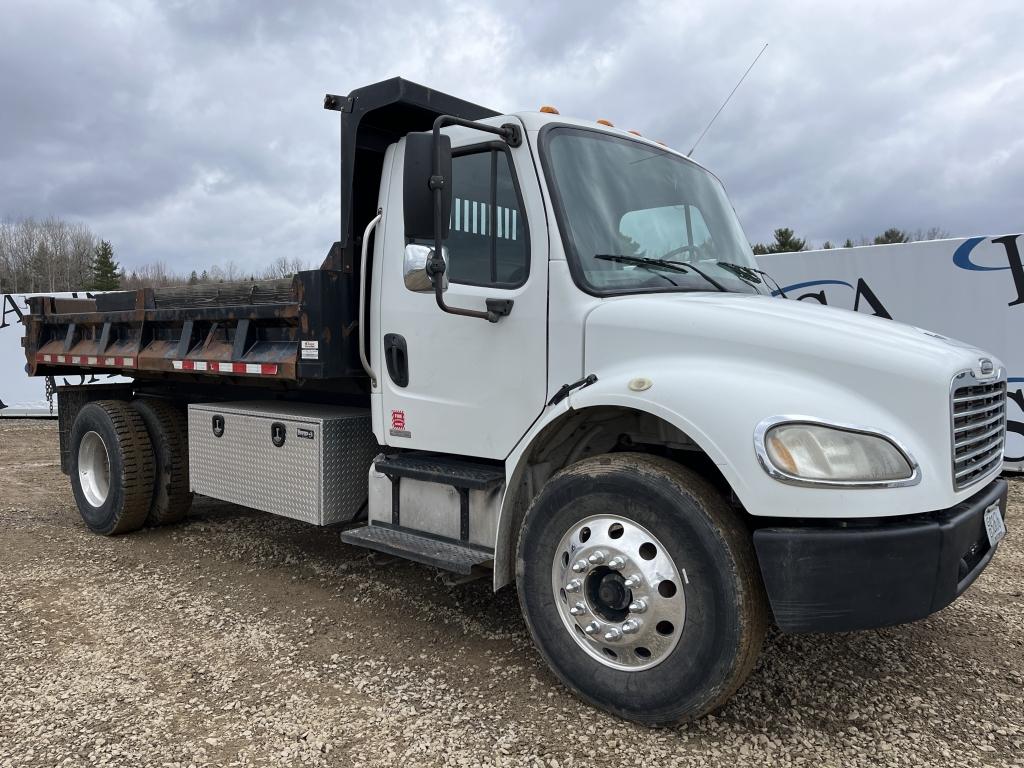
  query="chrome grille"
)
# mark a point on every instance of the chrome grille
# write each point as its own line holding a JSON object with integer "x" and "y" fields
{"x": 979, "y": 429}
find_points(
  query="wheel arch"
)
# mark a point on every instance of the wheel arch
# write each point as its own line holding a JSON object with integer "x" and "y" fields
{"x": 599, "y": 426}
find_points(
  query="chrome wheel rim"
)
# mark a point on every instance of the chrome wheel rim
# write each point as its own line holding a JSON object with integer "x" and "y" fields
{"x": 618, "y": 592}
{"x": 94, "y": 469}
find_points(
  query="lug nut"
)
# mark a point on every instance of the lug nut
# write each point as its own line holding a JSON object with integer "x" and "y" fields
{"x": 578, "y": 609}
{"x": 633, "y": 581}
{"x": 580, "y": 566}
{"x": 613, "y": 634}
{"x": 638, "y": 606}
{"x": 630, "y": 626}
{"x": 616, "y": 562}
{"x": 573, "y": 586}
{"x": 597, "y": 558}
{"x": 592, "y": 628}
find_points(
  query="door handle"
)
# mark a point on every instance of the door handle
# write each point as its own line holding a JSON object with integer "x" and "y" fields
{"x": 396, "y": 356}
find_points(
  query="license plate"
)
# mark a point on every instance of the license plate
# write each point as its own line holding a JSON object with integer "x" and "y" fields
{"x": 994, "y": 525}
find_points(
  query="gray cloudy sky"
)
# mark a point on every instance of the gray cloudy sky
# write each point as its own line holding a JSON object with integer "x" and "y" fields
{"x": 192, "y": 132}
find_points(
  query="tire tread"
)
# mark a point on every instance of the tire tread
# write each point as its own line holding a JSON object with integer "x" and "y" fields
{"x": 168, "y": 432}
{"x": 137, "y": 464}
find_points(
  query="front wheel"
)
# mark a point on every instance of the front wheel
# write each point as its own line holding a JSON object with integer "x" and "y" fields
{"x": 640, "y": 588}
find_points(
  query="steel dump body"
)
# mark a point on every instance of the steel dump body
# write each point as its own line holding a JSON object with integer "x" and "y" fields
{"x": 282, "y": 330}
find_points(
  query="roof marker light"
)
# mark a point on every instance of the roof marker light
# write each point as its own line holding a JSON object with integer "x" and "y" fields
{"x": 635, "y": 133}
{"x": 609, "y": 123}
{"x": 549, "y": 110}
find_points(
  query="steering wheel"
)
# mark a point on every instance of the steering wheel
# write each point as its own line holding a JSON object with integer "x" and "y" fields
{"x": 680, "y": 249}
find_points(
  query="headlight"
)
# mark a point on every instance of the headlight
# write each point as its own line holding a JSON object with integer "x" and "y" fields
{"x": 809, "y": 453}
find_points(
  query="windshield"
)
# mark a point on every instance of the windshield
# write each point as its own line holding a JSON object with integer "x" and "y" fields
{"x": 636, "y": 218}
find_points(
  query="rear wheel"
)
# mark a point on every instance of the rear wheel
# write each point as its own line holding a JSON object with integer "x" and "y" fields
{"x": 640, "y": 587}
{"x": 168, "y": 433}
{"x": 111, "y": 467}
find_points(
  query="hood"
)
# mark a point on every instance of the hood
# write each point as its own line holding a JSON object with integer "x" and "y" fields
{"x": 784, "y": 331}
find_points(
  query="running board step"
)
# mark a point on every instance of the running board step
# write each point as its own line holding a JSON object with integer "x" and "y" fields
{"x": 448, "y": 555}
{"x": 433, "y": 468}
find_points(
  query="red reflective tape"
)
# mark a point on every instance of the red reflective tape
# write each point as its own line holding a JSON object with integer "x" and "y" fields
{"x": 268, "y": 369}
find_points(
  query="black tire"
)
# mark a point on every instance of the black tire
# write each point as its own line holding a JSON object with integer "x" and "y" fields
{"x": 168, "y": 433}
{"x": 726, "y": 613}
{"x": 129, "y": 464}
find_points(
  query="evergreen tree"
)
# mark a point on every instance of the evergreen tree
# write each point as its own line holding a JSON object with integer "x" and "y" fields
{"x": 892, "y": 235}
{"x": 759, "y": 249}
{"x": 105, "y": 271}
{"x": 848, "y": 243}
{"x": 193, "y": 278}
{"x": 786, "y": 242}
{"x": 205, "y": 277}
{"x": 827, "y": 245}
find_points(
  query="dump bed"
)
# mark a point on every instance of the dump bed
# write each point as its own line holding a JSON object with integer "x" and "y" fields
{"x": 290, "y": 329}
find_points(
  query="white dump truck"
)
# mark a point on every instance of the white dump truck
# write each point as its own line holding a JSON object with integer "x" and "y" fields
{"x": 541, "y": 351}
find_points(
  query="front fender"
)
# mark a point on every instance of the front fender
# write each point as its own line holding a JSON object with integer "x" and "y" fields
{"x": 604, "y": 392}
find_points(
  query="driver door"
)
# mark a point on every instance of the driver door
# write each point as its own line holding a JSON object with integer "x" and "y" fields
{"x": 463, "y": 385}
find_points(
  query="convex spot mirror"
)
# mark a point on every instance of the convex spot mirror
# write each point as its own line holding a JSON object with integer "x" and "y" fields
{"x": 418, "y": 197}
{"x": 415, "y": 268}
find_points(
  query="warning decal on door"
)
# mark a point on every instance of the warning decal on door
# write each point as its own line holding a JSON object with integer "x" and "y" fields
{"x": 398, "y": 424}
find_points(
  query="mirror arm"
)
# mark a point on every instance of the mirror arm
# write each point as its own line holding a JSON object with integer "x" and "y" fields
{"x": 512, "y": 135}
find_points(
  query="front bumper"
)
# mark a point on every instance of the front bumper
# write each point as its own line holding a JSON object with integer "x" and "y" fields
{"x": 866, "y": 574}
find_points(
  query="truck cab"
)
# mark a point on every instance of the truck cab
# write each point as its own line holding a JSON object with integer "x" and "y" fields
{"x": 541, "y": 350}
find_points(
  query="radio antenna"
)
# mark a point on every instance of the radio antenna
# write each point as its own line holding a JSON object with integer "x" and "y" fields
{"x": 708, "y": 126}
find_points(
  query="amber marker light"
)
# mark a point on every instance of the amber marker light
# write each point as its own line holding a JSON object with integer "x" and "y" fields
{"x": 781, "y": 454}
{"x": 549, "y": 110}
{"x": 609, "y": 123}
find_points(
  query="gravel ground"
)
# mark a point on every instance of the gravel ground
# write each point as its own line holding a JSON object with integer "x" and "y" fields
{"x": 239, "y": 638}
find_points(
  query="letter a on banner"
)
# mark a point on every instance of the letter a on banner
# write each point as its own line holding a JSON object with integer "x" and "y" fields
{"x": 10, "y": 308}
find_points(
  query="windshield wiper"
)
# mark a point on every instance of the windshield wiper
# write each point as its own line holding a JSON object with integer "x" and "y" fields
{"x": 750, "y": 274}
{"x": 642, "y": 263}
{"x": 674, "y": 266}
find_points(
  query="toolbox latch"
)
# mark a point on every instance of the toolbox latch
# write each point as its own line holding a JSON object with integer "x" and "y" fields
{"x": 277, "y": 433}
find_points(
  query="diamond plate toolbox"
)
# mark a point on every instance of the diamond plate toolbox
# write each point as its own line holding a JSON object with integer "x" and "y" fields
{"x": 305, "y": 461}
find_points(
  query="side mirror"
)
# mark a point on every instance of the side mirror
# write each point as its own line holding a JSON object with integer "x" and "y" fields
{"x": 418, "y": 202}
{"x": 415, "y": 268}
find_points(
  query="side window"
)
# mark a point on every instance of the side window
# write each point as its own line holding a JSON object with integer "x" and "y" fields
{"x": 488, "y": 244}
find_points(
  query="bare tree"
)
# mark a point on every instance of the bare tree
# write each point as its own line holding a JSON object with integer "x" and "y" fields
{"x": 57, "y": 255}
{"x": 283, "y": 267}
{"x": 932, "y": 233}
